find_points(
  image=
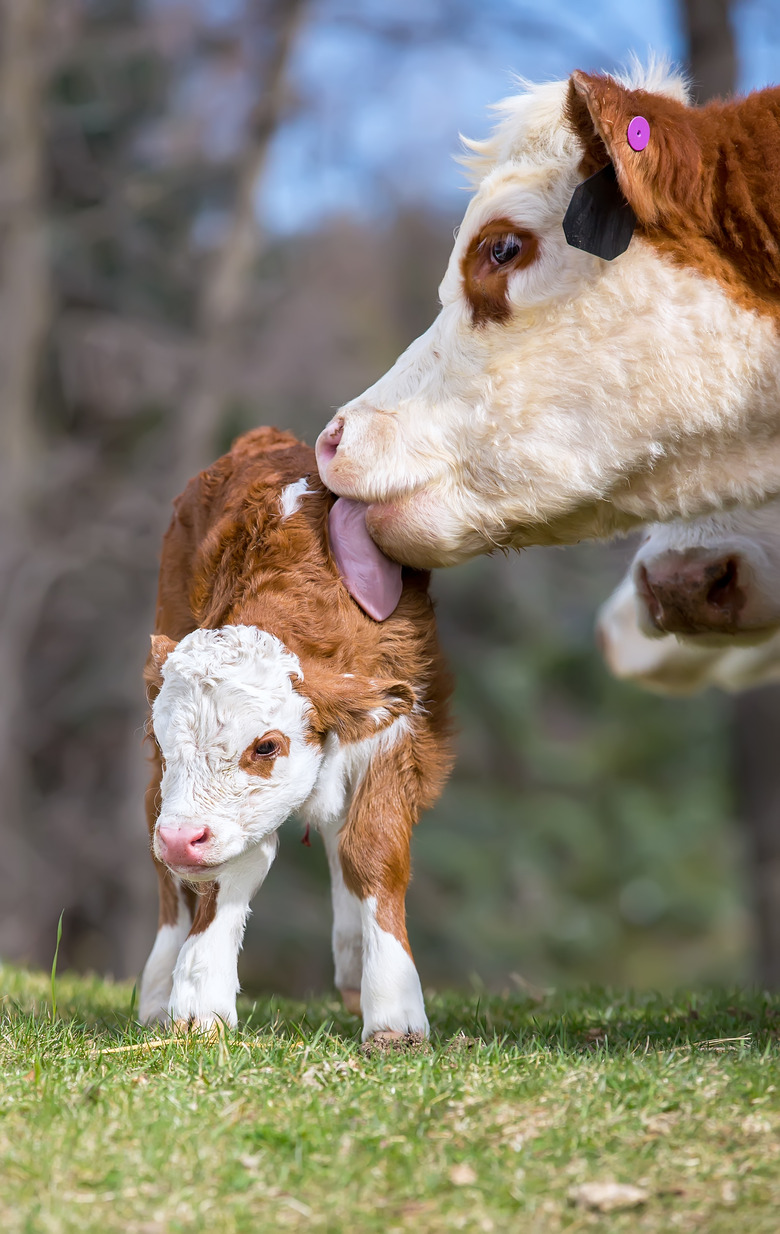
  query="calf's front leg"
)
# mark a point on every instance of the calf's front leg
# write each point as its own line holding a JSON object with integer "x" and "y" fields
{"x": 375, "y": 861}
{"x": 205, "y": 980}
{"x": 173, "y": 923}
{"x": 173, "y": 926}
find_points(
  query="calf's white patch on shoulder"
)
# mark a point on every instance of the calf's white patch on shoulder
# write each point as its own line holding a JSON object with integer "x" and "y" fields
{"x": 290, "y": 497}
{"x": 342, "y": 770}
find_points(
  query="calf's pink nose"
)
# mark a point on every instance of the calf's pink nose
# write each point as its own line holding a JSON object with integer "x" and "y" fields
{"x": 183, "y": 846}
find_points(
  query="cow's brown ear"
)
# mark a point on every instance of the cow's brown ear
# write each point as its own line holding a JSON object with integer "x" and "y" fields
{"x": 353, "y": 707}
{"x": 650, "y": 139}
{"x": 161, "y": 647}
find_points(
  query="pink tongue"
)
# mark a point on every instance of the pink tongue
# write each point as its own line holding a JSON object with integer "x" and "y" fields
{"x": 370, "y": 578}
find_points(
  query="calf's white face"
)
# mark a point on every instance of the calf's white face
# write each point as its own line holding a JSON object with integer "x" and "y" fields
{"x": 242, "y": 727}
{"x": 558, "y": 396}
{"x": 238, "y": 746}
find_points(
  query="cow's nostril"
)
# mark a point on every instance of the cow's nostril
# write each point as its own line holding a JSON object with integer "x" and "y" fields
{"x": 648, "y": 596}
{"x": 202, "y": 837}
{"x": 723, "y": 590}
{"x": 328, "y": 442}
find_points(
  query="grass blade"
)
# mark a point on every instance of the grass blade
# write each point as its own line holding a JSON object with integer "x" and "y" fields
{"x": 54, "y": 968}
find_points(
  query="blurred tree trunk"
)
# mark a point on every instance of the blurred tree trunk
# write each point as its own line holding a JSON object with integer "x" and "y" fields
{"x": 711, "y": 49}
{"x": 226, "y": 284}
{"x": 24, "y": 314}
{"x": 756, "y": 714}
{"x": 756, "y": 723}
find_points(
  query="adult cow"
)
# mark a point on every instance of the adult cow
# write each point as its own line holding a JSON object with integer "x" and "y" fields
{"x": 559, "y": 395}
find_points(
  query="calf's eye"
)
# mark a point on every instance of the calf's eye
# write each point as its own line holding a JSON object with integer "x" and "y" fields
{"x": 265, "y": 749}
{"x": 259, "y": 758}
{"x": 505, "y": 248}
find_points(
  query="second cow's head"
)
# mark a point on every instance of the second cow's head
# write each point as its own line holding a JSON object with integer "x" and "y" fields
{"x": 243, "y": 727}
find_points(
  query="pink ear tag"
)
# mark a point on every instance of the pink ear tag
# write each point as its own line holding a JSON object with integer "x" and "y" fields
{"x": 638, "y": 133}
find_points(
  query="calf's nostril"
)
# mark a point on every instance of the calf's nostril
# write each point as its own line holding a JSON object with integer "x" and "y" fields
{"x": 202, "y": 837}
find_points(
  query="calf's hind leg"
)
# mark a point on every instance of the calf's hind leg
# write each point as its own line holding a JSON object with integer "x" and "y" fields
{"x": 347, "y": 934}
{"x": 375, "y": 861}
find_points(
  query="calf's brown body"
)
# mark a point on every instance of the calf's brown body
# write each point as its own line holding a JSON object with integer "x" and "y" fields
{"x": 234, "y": 554}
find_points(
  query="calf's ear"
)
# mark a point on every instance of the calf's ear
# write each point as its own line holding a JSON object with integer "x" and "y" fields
{"x": 161, "y": 647}
{"x": 651, "y": 141}
{"x": 353, "y": 707}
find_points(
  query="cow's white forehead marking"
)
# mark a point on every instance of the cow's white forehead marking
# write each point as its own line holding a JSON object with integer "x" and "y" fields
{"x": 530, "y": 127}
{"x": 290, "y": 496}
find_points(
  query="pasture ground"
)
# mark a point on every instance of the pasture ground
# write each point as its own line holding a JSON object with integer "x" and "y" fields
{"x": 287, "y": 1124}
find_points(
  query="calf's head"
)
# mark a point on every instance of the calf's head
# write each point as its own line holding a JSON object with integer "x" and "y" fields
{"x": 558, "y": 395}
{"x": 242, "y": 728}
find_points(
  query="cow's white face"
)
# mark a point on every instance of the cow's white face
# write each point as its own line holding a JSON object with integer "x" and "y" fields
{"x": 712, "y": 581}
{"x": 239, "y": 752}
{"x": 557, "y": 396}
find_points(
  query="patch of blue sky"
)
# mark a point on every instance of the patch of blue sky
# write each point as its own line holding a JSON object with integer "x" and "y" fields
{"x": 380, "y": 116}
{"x": 757, "y": 27}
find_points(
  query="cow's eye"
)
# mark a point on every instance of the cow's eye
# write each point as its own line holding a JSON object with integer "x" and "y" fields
{"x": 505, "y": 248}
{"x": 265, "y": 749}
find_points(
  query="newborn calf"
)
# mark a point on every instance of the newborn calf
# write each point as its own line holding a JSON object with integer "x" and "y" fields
{"x": 273, "y": 693}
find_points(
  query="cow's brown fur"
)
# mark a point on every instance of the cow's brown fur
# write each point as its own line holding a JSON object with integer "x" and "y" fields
{"x": 229, "y": 558}
{"x": 485, "y": 282}
{"x": 704, "y": 190}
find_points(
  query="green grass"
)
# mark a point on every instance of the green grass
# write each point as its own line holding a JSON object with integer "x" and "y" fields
{"x": 287, "y": 1124}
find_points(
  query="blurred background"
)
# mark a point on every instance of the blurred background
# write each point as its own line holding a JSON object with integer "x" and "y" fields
{"x": 222, "y": 213}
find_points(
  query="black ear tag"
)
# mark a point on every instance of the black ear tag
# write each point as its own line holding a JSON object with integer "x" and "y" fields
{"x": 599, "y": 219}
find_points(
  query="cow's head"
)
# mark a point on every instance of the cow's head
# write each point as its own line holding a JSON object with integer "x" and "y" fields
{"x": 559, "y": 395}
{"x": 242, "y": 726}
{"x": 711, "y": 581}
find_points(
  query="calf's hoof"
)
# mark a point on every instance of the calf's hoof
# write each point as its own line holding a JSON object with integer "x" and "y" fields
{"x": 207, "y": 1029}
{"x": 388, "y": 1041}
{"x": 351, "y": 1000}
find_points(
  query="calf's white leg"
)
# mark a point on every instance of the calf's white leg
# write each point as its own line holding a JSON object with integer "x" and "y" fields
{"x": 205, "y": 980}
{"x": 173, "y": 927}
{"x": 347, "y": 934}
